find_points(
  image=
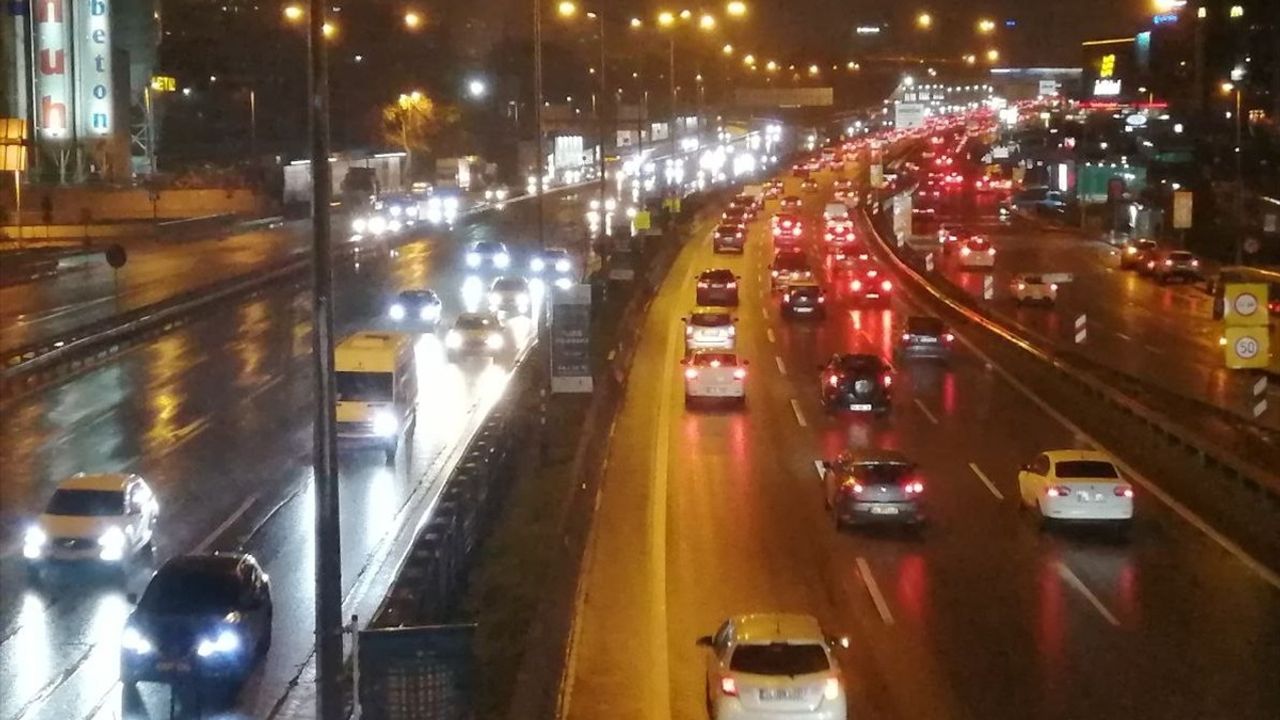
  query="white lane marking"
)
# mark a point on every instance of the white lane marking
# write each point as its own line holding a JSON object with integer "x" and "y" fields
{"x": 822, "y": 469}
{"x": 764, "y": 313}
{"x": 1122, "y": 336}
{"x": 1074, "y": 581}
{"x": 882, "y": 607}
{"x": 1268, "y": 575}
{"x": 1153, "y": 349}
{"x": 986, "y": 481}
{"x": 769, "y": 332}
{"x": 208, "y": 540}
{"x": 795, "y": 407}
{"x": 926, "y": 412}
{"x": 781, "y": 368}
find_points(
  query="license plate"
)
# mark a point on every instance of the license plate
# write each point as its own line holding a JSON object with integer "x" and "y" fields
{"x": 774, "y": 694}
{"x": 883, "y": 510}
{"x": 863, "y": 407}
{"x": 927, "y": 340}
{"x": 801, "y": 308}
{"x": 173, "y": 666}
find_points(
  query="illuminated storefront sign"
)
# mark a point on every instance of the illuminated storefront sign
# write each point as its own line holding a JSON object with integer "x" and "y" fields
{"x": 164, "y": 83}
{"x": 95, "y": 68}
{"x": 1104, "y": 87}
{"x": 1107, "y": 67}
{"x": 53, "y": 69}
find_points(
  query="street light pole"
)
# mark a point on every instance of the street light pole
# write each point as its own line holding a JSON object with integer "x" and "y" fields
{"x": 671, "y": 72}
{"x": 1239, "y": 180}
{"x": 537, "y": 115}
{"x": 328, "y": 543}
{"x": 604, "y": 93}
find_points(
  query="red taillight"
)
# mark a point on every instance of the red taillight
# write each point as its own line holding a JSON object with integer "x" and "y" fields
{"x": 1022, "y": 286}
{"x": 855, "y": 285}
{"x": 1168, "y": 263}
{"x": 965, "y": 251}
{"x": 703, "y": 283}
{"x": 1053, "y": 287}
{"x": 732, "y": 285}
{"x": 906, "y": 337}
{"x": 796, "y": 231}
{"x": 1059, "y": 491}
{"x": 914, "y": 488}
{"x": 949, "y": 337}
{"x": 831, "y": 689}
{"x": 851, "y": 486}
{"x": 822, "y": 299}
{"x": 1124, "y": 491}
{"x": 728, "y": 686}
{"x": 887, "y": 380}
{"x": 740, "y": 374}
{"x": 786, "y": 297}
{"x": 872, "y": 273}
{"x": 690, "y": 373}
{"x": 833, "y": 381}
{"x": 886, "y": 286}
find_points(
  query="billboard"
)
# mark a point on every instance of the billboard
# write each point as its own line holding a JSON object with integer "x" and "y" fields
{"x": 94, "y": 54}
{"x": 908, "y": 115}
{"x": 784, "y": 97}
{"x": 571, "y": 340}
{"x": 53, "y": 69}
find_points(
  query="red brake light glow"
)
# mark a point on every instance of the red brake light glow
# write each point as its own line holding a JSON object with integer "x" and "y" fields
{"x": 833, "y": 380}
{"x": 886, "y": 286}
{"x": 831, "y": 689}
{"x": 1059, "y": 491}
{"x": 690, "y": 373}
{"x": 740, "y": 374}
{"x": 855, "y": 285}
{"x": 728, "y": 686}
{"x": 887, "y": 380}
{"x": 1124, "y": 491}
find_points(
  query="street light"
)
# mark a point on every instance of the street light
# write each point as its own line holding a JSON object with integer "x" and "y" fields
{"x": 329, "y": 29}
{"x": 477, "y": 88}
{"x": 736, "y": 9}
{"x": 771, "y": 66}
{"x": 707, "y": 23}
{"x": 567, "y": 8}
{"x": 294, "y": 13}
{"x": 412, "y": 20}
{"x": 636, "y": 23}
{"x": 986, "y": 26}
{"x": 813, "y": 70}
{"x": 727, "y": 49}
{"x": 666, "y": 18}
{"x": 970, "y": 59}
{"x": 749, "y": 60}
{"x": 924, "y": 21}
{"x": 686, "y": 14}
{"x": 993, "y": 55}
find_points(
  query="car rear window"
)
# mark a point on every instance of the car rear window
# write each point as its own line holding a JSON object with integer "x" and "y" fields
{"x": 707, "y": 359}
{"x": 791, "y": 262}
{"x": 779, "y": 659}
{"x": 924, "y": 326}
{"x": 717, "y": 275}
{"x": 882, "y": 473}
{"x": 1033, "y": 279}
{"x": 1086, "y": 469}
{"x": 86, "y": 503}
{"x": 485, "y": 246}
{"x": 364, "y": 386}
{"x": 709, "y": 319}
{"x": 804, "y": 290}
{"x": 1180, "y": 256}
{"x": 978, "y": 244}
{"x": 860, "y": 363}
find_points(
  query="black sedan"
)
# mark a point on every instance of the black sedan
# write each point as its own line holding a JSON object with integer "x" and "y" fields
{"x": 925, "y": 337}
{"x": 416, "y": 309}
{"x": 717, "y": 287}
{"x": 203, "y": 619}
{"x": 729, "y": 238}
{"x": 856, "y": 382}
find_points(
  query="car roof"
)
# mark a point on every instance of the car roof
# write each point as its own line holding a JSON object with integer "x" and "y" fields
{"x": 876, "y": 455}
{"x": 760, "y": 628}
{"x": 213, "y": 563}
{"x": 97, "y": 481}
{"x": 1057, "y": 456}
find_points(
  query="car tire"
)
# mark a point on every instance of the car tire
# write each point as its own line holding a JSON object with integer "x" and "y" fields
{"x": 390, "y": 453}
{"x": 1044, "y": 523}
{"x": 265, "y": 643}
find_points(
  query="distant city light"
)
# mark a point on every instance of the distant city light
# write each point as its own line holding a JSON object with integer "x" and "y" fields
{"x": 477, "y": 88}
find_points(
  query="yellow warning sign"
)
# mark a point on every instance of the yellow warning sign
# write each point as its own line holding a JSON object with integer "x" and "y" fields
{"x": 1247, "y": 347}
{"x": 642, "y": 220}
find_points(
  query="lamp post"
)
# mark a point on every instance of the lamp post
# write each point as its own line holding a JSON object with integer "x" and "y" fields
{"x": 537, "y": 117}
{"x": 1229, "y": 88}
{"x": 568, "y": 9}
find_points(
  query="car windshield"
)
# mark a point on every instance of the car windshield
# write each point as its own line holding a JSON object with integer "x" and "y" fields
{"x": 488, "y": 248}
{"x": 418, "y": 296}
{"x": 1180, "y": 256}
{"x": 509, "y": 285}
{"x": 782, "y": 659}
{"x": 710, "y": 319}
{"x": 179, "y": 590}
{"x": 86, "y": 503}
{"x": 1100, "y": 469}
{"x": 471, "y": 322}
{"x": 364, "y": 386}
{"x": 707, "y": 359}
{"x": 924, "y": 326}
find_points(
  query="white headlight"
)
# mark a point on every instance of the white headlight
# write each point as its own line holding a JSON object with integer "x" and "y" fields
{"x": 112, "y": 544}
{"x": 522, "y": 299}
{"x": 537, "y": 264}
{"x": 358, "y": 225}
{"x": 563, "y": 266}
{"x": 453, "y": 340}
{"x": 493, "y": 342}
{"x": 564, "y": 283}
{"x": 377, "y": 225}
{"x": 384, "y": 424}
{"x": 502, "y": 260}
{"x": 33, "y": 543}
{"x": 429, "y": 312}
{"x": 226, "y": 641}
{"x": 495, "y": 298}
{"x": 473, "y": 259}
{"x": 135, "y": 642}
{"x": 396, "y": 210}
{"x": 396, "y": 312}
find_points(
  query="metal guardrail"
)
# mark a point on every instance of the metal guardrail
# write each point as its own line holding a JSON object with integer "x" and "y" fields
{"x": 1260, "y": 480}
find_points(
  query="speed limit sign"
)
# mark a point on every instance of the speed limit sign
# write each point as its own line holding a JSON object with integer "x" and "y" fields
{"x": 1245, "y": 303}
{"x": 1246, "y": 347}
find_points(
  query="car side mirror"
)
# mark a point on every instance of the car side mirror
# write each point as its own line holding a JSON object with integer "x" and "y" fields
{"x": 684, "y": 320}
{"x": 131, "y": 598}
{"x": 705, "y": 641}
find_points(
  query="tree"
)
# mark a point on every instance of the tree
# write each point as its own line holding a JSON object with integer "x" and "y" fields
{"x": 413, "y": 121}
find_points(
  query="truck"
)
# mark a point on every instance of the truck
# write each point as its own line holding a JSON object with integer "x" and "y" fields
{"x": 377, "y": 390}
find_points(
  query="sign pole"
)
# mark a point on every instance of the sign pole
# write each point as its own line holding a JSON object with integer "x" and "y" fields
{"x": 328, "y": 543}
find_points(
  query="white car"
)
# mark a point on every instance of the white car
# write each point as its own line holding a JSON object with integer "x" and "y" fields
{"x": 510, "y": 296}
{"x": 977, "y": 252}
{"x": 102, "y": 518}
{"x": 773, "y": 666}
{"x": 1076, "y": 485}
{"x": 714, "y": 375}
{"x": 1027, "y": 288}
{"x": 835, "y": 211}
{"x": 710, "y": 328}
{"x": 475, "y": 334}
{"x": 488, "y": 254}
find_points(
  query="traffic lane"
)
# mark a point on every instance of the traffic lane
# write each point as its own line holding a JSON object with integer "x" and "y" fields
{"x": 1163, "y": 334}
{"x": 155, "y": 271}
{"x": 1148, "y": 589}
{"x": 190, "y": 508}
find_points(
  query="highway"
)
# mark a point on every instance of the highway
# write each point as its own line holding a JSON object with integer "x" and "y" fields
{"x": 1163, "y": 334}
{"x": 707, "y": 514}
{"x": 217, "y": 416}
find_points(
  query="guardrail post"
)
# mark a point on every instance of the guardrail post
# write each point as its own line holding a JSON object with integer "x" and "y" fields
{"x": 988, "y": 287}
{"x": 1260, "y": 396}
{"x": 1082, "y": 329}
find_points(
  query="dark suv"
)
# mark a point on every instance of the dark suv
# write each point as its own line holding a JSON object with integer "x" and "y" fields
{"x": 864, "y": 486}
{"x": 203, "y": 618}
{"x": 925, "y": 337}
{"x": 803, "y": 298}
{"x": 856, "y": 382}
{"x": 1173, "y": 265}
{"x": 717, "y": 287}
{"x": 729, "y": 238}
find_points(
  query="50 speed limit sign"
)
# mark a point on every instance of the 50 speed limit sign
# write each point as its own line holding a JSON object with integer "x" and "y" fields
{"x": 1247, "y": 347}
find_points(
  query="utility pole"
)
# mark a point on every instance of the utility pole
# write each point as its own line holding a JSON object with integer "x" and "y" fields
{"x": 328, "y": 542}
{"x": 604, "y": 93}
{"x": 537, "y": 115}
{"x": 672, "y": 77}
